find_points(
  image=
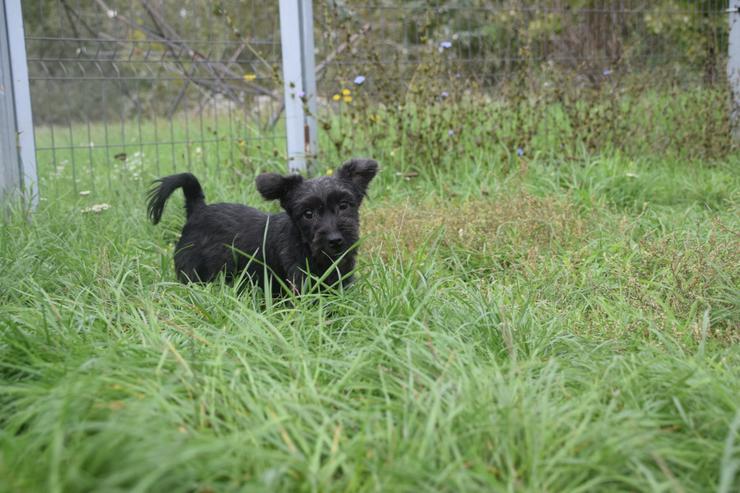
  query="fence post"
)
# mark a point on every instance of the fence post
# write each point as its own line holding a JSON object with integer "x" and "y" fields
{"x": 299, "y": 79}
{"x": 733, "y": 65}
{"x": 17, "y": 147}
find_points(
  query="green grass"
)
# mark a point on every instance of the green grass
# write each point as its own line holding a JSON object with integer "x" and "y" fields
{"x": 555, "y": 324}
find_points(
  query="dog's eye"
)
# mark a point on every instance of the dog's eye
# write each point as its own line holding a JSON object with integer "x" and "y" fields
{"x": 308, "y": 214}
{"x": 343, "y": 205}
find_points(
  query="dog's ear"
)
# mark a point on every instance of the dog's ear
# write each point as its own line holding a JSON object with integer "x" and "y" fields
{"x": 273, "y": 186}
{"x": 359, "y": 172}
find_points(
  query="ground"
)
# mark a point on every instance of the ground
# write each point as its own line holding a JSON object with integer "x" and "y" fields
{"x": 532, "y": 323}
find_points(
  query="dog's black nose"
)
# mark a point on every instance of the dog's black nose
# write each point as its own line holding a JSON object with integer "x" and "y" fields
{"x": 335, "y": 242}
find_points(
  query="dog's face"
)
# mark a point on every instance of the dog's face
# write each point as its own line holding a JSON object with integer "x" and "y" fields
{"x": 325, "y": 209}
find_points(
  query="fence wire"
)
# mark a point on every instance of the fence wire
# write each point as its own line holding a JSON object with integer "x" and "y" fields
{"x": 486, "y": 41}
{"x": 125, "y": 90}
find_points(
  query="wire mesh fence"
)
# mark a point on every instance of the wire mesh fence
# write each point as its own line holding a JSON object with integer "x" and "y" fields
{"x": 125, "y": 90}
{"x": 122, "y": 89}
{"x": 485, "y": 41}
{"x": 417, "y": 53}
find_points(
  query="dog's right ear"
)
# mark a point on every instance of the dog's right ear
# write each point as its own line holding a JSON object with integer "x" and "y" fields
{"x": 273, "y": 186}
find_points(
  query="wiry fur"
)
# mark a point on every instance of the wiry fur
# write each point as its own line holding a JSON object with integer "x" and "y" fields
{"x": 234, "y": 238}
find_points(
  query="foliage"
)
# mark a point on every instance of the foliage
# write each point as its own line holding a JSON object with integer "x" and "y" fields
{"x": 538, "y": 322}
{"x": 93, "y": 77}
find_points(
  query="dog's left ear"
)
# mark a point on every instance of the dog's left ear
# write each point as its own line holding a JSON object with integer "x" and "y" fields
{"x": 273, "y": 186}
{"x": 359, "y": 172}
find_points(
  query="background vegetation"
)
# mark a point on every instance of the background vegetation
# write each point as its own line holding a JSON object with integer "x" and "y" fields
{"x": 530, "y": 323}
{"x": 547, "y": 295}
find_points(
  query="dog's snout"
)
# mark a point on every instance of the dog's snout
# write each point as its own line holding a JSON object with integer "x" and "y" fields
{"x": 335, "y": 241}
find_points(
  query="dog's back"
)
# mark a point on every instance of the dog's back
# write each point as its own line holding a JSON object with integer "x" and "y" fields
{"x": 232, "y": 238}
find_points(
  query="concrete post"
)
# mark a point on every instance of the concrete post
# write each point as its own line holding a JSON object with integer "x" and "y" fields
{"x": 299, "y": 79}
{"x": 17, "y": 147}
{"x": 733, "y": 65}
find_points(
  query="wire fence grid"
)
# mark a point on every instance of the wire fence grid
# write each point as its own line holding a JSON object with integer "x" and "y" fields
{"x": 126, "y": 90}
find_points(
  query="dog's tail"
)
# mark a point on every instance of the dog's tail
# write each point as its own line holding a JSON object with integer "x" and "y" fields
{"x": 158, "y": 195}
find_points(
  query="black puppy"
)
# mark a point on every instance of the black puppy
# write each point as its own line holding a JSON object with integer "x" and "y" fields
{"x": 316, "y": 233}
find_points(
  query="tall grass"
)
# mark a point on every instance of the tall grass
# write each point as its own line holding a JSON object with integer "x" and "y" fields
{"x": 550, "y": 322}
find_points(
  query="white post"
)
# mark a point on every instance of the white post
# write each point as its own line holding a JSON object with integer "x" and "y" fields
{"x": 299, "y": 80}
{"x": 17, "y": 124}
{"x": 309, "y": 77}
{"x": 733, "y": 65}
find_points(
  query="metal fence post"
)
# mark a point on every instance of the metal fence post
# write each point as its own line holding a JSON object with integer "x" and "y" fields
{"x": 17, "y": 147}
{"x": 299, "y": 79}
{"x": 733, "y": 65}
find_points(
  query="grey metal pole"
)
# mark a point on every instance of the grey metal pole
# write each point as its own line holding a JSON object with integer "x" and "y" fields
{"x": 733, "y": 65}
{"x": 309, "y": 78}
{"x": 299, "y": 80}
{"x": 17, "y": 121}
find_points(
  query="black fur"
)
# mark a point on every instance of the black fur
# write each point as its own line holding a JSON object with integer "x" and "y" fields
{"x": 316, "y": 233}
{"x": 194, "y": 198}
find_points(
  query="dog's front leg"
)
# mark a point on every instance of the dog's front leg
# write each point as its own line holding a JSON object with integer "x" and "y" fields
{"x": 296, "y": 280}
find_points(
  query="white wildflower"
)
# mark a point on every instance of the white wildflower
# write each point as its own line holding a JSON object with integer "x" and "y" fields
{"x": 97, "y": 208}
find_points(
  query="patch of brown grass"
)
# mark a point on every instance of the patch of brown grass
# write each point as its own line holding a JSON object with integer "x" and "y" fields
{"x": 696, "y": 271}
{"x": 520, "y": 222}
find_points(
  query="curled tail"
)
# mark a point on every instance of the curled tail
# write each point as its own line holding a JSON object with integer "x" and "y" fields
{"x": 158, "y": 195}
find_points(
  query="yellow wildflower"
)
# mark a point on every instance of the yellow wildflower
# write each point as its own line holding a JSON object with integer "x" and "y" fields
{"x": 336, "y": 97}
{"x": 249, "y": 77}
{"x": 346, "y": 92}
